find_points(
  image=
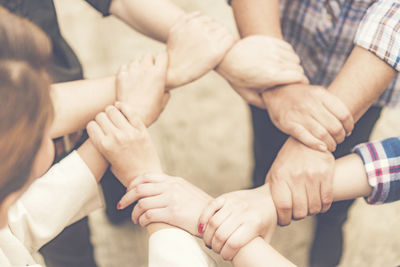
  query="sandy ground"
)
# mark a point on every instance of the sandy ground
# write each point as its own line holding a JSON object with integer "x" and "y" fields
{"x": 205, "y": 136}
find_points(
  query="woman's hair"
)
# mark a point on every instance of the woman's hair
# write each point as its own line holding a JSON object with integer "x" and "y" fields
{"x": 26, "y": 108}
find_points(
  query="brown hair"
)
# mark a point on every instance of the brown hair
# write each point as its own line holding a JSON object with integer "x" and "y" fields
{"x": 25, "y": 108}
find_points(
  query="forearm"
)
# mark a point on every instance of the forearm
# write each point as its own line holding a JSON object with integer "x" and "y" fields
{"x": 259, "y": 253}
{"x": 361, "y": 81}
{"x": 153, "y": 18}
{"x": 76, "y": 103}
{"x": 257, "y": 17}
{"x": 93, "y": 159}
{"x": 350, "y": 179}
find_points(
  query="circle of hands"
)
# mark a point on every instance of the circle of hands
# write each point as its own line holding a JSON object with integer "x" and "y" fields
{"x": 266, "y": 73}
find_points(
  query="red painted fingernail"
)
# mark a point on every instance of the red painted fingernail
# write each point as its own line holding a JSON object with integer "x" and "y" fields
{"x": 119, "y": 205}
{"x": 200, "y": 228}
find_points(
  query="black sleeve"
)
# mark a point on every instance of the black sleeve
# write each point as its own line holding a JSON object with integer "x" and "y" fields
{"x": 103, "y": 6}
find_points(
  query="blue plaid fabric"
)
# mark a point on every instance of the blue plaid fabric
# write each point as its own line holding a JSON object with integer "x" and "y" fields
{"x": 382, "y": 165}
{"x": 324, "y": 32}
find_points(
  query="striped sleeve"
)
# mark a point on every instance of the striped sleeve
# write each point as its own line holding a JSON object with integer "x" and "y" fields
{"x": 379, "y": 31}
{"x": 382, "y": 165}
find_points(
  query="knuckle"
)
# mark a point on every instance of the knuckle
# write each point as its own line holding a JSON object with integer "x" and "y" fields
{"x": 233, "y": 245}
{"x": 141, "y": 205}
{"x": 337, "y": 130}
{"x": 284, "y": 206}
{"x": 212, "y": 223}
{"x": 298, "y": 215}
{"x": 219, "y": 237}
{"x": 148, "y": 215}
{"x": 315, "y": 209}
{"x": 106, "y": 144}
{"x": 327, "y": 199}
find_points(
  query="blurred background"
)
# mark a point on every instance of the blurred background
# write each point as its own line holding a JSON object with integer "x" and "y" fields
{"x": 204, "y": 135}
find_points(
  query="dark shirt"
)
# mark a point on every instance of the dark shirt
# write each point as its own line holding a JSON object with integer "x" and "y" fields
{"x": 65, "y": 65}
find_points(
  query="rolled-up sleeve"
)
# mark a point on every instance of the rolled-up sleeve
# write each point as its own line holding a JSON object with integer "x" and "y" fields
{"x": 379, "y": 31}
{"x": 382, "y": 165}
{"x": 65, "y": 194}
{"x": 103, "y": 6}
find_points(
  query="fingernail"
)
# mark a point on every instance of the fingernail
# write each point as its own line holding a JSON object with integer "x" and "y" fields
{"x": 349, "y": 134}
{"x": 200, "y": 228}
{"x": 322, "y": 147}
{"x": 119, "y": 206}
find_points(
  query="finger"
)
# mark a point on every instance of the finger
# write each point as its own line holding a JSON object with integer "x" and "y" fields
{"x": 214, "y": 223}
{"x": 165, "y": 100}
{"x": 300, "y": 133}
{"x": 235, "y": 242}
{"x": 162, "y": 63}
{"x": 118, "y": 119}
{"x": 341, "y": 112}
{"x": 282, "y": 198}
{"x": 148, "y": 60}
{"x": 299, "y": 200}
{"x": 332, "y": 125}
{"x": 326, "y": 194}
{"x": 284, "y": 45}
{"x": 95, "y": 133}
{"x": 209, "y": 211}
{"x": 227, "y": 228}
{"x": 321, "y": 133}
{"x": 133, "y": 119}
{"x": 147, "y": 178}
{"x": 252, "y": 97}
{"x": 313, "y": 196}
{"x": 140, "y": 191}
{"x": 105, "y": 124}
{"x": 154, "y": 215}
{"x": 148, "y": 203}
{"x": 289, "y": 76}
{"x": 288, "y": 55}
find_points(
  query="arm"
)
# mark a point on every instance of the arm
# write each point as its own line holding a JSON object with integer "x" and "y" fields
{"x": 152, "y": 18}
{"x": 65, "y": 194}
{"x": 367, "y": 72}
{"x": 257, "y": 17}
{"x": 75, "y": 106}
{"x": 367, "y": 75}
{"x": 195, "y": 43}
{"x": 76, "y": 103}
{"x": 261, "y": 59}
{"x": 373, "y": 63}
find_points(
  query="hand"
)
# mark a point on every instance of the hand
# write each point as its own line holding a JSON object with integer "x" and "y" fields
{"x": 141, "y": 85}
{"x": 163, "y": 198}
{"x": 301, "y": 181}
{"x": 234, "y": 219}
{"x": 125, "y": 144}
{"x": 309, "y": 114}
{"x": 260, "y": 62}
{"x": 196, "y": 44}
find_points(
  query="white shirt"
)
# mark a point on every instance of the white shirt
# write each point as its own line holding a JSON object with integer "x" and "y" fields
{"x": 65, "y": 194}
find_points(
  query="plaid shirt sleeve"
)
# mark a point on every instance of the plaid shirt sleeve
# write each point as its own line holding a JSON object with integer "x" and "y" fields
{"x": 382, "y": 165}
{"x": 379, "y": 31}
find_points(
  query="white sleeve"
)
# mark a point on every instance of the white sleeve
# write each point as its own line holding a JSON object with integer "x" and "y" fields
{"x": 174, "y": 247}
{"x": 65, "y": 194}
